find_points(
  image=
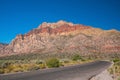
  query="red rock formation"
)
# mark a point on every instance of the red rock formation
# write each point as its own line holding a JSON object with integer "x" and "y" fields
{"x": 65, "y": 37}
{"x": 63, "y": 27}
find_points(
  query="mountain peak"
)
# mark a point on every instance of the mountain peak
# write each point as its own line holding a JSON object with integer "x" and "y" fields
{"x": 64, "y": 37}
{"x": 55, "y": 25}
{"x": 60, "y": 27}
{"x": 61, "y": 22}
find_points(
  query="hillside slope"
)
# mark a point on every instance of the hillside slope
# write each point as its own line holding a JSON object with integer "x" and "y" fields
{"x": 64, "y": 37}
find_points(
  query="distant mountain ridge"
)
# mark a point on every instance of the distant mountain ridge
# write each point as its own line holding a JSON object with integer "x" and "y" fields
{"x": 2, "y": 46}
{"x": 65, "y": 37}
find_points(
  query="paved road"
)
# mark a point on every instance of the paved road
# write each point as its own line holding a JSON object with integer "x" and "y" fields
{"x": 78, "y": 72}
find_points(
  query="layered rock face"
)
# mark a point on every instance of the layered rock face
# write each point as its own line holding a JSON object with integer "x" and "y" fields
{"x": 64, "y": 37}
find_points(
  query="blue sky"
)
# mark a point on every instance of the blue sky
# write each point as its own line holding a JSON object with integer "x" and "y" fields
{"x": 20, "y": 16}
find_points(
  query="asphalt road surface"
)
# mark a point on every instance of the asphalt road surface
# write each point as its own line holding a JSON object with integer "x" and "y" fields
{"x": 77, "y": 72}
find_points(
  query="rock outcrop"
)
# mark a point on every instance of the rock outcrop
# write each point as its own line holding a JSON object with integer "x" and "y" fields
{"x": 2, "y": 46}
{"x": 64, "y": 37}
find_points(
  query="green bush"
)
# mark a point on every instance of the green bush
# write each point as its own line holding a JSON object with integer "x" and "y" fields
{"x": 39, "y": 62}
{"x": 116, "y": 60}
{"x": 76, "y": 57}
{"x": 1, "y": 71}
{"x": 42, "y": 66}
{"x": 53, "y": 62}
{"x": 5, "y": 64}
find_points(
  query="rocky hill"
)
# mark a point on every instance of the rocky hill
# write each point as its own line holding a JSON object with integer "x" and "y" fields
{"x": 64, "y": 37}
{"x": 2, "y": 46}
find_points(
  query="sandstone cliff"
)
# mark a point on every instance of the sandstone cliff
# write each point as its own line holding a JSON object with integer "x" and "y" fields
{"x": 64, "y": 37}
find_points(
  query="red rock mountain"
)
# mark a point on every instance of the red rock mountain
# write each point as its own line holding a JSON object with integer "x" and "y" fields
{"x": 64, "y": 37}
{"x": 2, "y": 46}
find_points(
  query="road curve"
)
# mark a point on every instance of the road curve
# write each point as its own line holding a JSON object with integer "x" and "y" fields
{"x": 78, "y": 72}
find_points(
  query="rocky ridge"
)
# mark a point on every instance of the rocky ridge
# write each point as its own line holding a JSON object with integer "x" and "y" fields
{"x": 65, "y": 37}
{"x": 2, "y": 46}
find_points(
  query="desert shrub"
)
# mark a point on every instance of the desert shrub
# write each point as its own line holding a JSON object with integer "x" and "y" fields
{"x": 65, "y": 60}
{"x": 42, "y": 66}
{"x": 115, "y": 69}
{"x": 15, "y": 68}
{"x": 1, "y": 71}
{"x": 76, "y": 57}
{"x": 39, "y": 62}
{"x": 119, "y": 78}
{"x": 6, "y": 70}
{"x": 111, "y": 70}
{"x": 116, "y": 60}
{"x": 53, "y": 62}
{"x": 32, "y": 67}
{"x": 61, "y": 64}
{"x": 18, "y": 69}
{"x": 5, "y": 64}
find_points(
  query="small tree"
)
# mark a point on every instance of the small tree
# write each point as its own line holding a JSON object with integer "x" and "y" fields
{"x": 53, "y": 62}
